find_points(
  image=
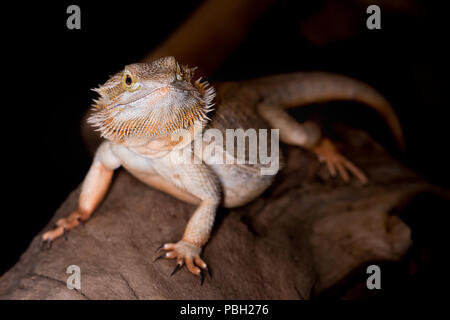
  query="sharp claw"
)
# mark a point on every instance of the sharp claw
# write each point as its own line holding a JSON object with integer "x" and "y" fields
{"x": 209, "y": 271}
{"x": 48, "y": 243}
{"x": 80, "y": 221}
{"x": 160, "y": 257}
{"x": 177, "y": 267}
{"x": 65, "y": 234}
{"x": 201, "y": 277}
{"x": 159, "y": 248}
{"x": 41, "y": 244}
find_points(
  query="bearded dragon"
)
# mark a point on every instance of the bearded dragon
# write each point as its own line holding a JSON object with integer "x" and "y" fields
{"x": 142, "y": 110}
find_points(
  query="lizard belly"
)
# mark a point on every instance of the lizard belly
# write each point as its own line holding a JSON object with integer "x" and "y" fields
{"x": 143, "y": 168}
{"x": 240, "y": 183}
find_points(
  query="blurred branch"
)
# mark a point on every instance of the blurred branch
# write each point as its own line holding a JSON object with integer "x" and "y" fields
{"x": 213, "y": 31}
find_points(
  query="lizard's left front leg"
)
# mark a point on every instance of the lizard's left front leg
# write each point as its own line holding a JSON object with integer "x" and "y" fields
{"x": 200, "y": 181}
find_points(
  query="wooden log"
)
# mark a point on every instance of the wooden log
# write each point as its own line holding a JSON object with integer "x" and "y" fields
{"x": 305, "y": 234}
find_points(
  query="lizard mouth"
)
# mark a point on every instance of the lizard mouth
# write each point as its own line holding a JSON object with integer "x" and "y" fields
{"x": 159, "y": 112}
{"x": 144, "y": 94}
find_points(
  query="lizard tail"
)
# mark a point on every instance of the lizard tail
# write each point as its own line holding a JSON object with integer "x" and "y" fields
{"x": 300, "y": 89}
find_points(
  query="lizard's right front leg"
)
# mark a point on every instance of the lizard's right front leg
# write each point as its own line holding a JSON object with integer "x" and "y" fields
{"x": 93, "y": 190}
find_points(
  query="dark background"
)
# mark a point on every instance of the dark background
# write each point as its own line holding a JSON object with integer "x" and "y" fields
{"x": 48, "y": 72}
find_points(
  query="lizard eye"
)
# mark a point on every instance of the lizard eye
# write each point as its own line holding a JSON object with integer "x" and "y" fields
{"x": 128, "y": 82}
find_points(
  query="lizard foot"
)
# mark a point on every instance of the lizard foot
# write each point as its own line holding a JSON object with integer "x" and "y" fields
{"x": 62, "y": 226}
{"x": 327, "y": 153}
{"x": 185, "y": 253}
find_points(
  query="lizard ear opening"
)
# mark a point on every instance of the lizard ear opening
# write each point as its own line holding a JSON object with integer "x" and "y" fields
{"x": 188, "y": 73}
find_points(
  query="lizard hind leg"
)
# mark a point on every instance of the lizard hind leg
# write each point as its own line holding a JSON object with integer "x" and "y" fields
{"x": 308, "y": 135}
{"x": 327, "y": 153}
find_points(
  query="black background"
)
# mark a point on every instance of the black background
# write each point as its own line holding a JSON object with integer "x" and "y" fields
{"x": 48, "y": 72}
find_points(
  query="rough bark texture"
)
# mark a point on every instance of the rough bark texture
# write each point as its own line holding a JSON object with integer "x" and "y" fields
{"x": 302, "y": 236}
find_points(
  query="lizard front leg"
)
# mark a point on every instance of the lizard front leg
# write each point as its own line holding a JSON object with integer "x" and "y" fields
{"x": 93, "y": 190}
{"x": 200, "y": 181}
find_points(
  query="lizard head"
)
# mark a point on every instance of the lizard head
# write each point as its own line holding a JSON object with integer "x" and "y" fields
{"x": 151, "y": 100}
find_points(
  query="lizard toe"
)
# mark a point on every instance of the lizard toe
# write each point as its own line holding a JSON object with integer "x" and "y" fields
{"x": 63, "y": 225}
{"x": 337, "y": 163}
{"x": 186, "y": 254}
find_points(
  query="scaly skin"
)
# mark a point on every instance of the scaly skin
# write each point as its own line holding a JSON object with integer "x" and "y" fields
{"x": 143, "y": 109}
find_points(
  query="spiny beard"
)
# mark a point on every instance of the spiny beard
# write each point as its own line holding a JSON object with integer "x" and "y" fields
{"x": 160, "y": 121}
